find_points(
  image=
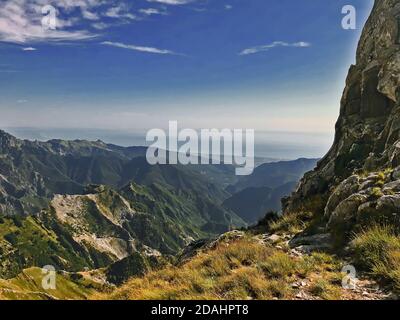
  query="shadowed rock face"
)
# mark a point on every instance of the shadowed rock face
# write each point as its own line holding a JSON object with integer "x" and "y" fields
{"x": 368, "y": 129}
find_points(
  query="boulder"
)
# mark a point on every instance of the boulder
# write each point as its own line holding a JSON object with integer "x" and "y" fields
{"x": 343, "y": 191}
{"x": 311, "y": 243}
{"x": 346, "y": 211}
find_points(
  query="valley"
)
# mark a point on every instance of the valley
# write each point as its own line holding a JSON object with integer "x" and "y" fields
{"x": 81, "y": 205}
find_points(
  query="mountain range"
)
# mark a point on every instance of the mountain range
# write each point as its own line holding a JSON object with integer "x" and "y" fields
{"x": 262, "y": 191}
{"x": 82, "y": 204}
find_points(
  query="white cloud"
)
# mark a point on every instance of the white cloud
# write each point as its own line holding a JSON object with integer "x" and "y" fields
{"x": 119, "y": 12}
{"x": 100, "y": 25}
{"x": 20, "y": 22}
{"x": 152, "y": 11}
{"x": 272, "y": 45}
{"x": 90, "y": 15}
{"x": 172, "y": 2}
{"x": 29, "y": 49}
{"x": 228, "y": 7}
{"x": 138, "y": 48}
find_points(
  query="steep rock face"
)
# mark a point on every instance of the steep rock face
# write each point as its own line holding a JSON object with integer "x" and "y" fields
{"x": 368, "y": 129}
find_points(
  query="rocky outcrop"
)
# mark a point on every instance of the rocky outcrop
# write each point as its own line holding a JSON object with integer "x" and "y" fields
{"x": 367, "y": 135}
{"x": 374, "y": 198}
{"x": 93, "y": 226}
{"x": 307, "y": 244}
{"x": 113, "y": 226}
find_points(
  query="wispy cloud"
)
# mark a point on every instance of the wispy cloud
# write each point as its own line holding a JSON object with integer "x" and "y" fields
{"x": 272, "y": 45}
{"x": 152, "y": 11}
{"x": 100, "y": 25}
{"x": 29, "y": 49}
{"x": 77, "y": 20}
{"x": 120, "y": 11}
{"x": 138, "y": 48}
{"x": 90, "y": 15}
{"x": 172, "y": 2}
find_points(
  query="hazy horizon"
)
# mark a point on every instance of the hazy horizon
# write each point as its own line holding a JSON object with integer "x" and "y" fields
{"x": 268, "y": 144}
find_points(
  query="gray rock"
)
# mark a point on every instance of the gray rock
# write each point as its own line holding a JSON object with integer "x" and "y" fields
{"x": 391, "y": 186}
{"x": 389, "y": 203}
{"x": 396, "y": 173}
{"x": 346, "y": 210}
{"x": 307, "y": 249}
{"x": 273, "y": 238}
{"x": 310, "y": 242}
{"x": 343, "y": 191}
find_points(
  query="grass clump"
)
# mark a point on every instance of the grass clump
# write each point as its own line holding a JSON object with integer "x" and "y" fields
{"x": 324, "y": 289}
{"x": 377, "y": 250}
{"x": 376, "y": 192}
{"x": 291, "y": 222}
{"x": 279, "y": 265}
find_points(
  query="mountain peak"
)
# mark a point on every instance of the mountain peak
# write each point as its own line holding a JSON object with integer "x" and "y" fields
{"x": 7, "y": 141}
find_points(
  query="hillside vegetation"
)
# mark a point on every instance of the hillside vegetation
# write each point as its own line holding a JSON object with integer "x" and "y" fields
{"x": 28, "y": 286}
{"x": 240, "y": 266}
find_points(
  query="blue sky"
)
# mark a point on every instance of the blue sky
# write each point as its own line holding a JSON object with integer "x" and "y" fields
{"x": 132, "y": 65}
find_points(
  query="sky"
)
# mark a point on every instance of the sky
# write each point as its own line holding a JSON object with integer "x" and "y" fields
{"x": 134, "y": 65}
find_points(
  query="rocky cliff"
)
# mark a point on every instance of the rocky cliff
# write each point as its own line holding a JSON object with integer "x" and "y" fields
{"x": 367, "y": 135}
